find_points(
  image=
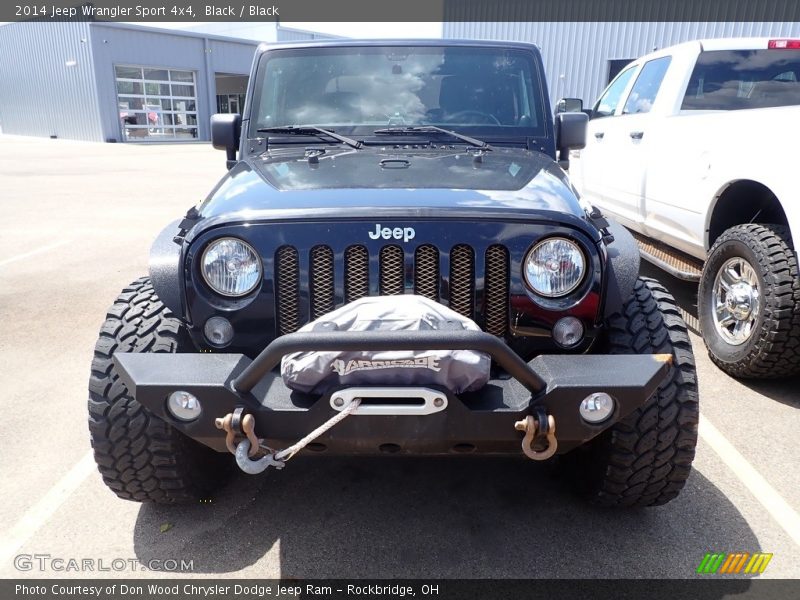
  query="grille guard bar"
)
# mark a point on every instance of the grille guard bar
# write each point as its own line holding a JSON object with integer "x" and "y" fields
{"x": 555, "y": 383}
{"x": 341, "y": 341}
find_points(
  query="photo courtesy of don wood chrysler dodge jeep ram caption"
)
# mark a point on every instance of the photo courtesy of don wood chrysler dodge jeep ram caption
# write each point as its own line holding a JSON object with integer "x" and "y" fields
{"x": 694, "y": 148}
{"x": 395, "y": 263}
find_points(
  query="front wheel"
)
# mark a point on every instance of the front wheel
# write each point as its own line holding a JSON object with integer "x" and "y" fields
{"x": 645, "y": 459}
{"x": 749, "y": 302}
{"x": 140, "y": 456}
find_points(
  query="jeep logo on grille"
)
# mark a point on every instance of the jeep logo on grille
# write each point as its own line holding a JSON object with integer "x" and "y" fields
{"x": 399, "y": 233}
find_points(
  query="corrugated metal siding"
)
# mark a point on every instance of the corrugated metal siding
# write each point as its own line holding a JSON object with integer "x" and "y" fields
{"x": 232, "y": 57}
{"x": 115, "y": 45}
{"x": 297, "y": 35}
{"x": 39, "y": 93}
{"x": 576, "y": 54}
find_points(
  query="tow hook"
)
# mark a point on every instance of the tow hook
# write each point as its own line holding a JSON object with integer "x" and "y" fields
{"x": 237, "y": 423}
{"x": 543, "y": 425}
{"x": 250, "y": 447}
{"x": 254, "y": 467}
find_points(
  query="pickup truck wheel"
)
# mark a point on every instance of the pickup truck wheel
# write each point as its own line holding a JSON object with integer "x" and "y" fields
{"x": 749, "y": 302}
{"x": 141, "y": 457}
{"x": 645, "y": 459}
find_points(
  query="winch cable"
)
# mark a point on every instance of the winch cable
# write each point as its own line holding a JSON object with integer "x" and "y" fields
{"x": 278, "y": 459}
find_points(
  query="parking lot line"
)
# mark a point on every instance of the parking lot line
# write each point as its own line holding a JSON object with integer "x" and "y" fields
{"x": 34, "y": 252}
{"x": 38, "y": 514}
{"x": 785, "y": 516}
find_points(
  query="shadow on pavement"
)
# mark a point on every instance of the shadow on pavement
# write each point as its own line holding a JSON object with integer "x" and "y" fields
{"x": 785, "y": 391}
{"x": 438, "y": 517}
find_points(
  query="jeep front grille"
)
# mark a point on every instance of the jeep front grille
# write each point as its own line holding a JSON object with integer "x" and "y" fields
{"x": 321, "y": 282}
{"x": 287, "y": 289}
{"x": 496, "y": 290}
{"x": 392, "y": 271}
{"x": 462, "y": 286}
{"x": 462, "y": 280}
{"x": 356, "y": 273}
{"x": 426, "y": 272}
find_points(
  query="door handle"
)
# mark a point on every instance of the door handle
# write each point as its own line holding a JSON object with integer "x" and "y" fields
{"x": 599, "y": 135}
{"x": 637, "y": 135}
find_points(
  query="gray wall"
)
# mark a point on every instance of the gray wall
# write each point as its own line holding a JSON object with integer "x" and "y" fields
{"x": 576, "y": 55}
{"x": 287, "y": 34}
{"x": 115, "y": 44}
{"x": 39, "y": 93}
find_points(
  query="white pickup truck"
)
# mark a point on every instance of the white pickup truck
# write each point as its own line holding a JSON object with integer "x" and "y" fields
{"x": 696, "y": 148}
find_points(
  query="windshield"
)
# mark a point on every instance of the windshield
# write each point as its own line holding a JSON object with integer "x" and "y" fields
{"x": 355, "y": 90}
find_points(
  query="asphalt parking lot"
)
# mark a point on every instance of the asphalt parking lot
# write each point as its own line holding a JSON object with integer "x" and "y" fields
{"x": 77, "y": 222}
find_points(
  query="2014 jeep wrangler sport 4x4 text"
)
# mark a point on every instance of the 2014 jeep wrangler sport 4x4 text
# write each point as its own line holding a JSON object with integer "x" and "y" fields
{"x": 395, "y": 263}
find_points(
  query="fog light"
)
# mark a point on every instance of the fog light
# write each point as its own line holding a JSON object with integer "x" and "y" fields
{"x": 568, "y": 332}
{"x": 218, "y": 331}
{"x": 184, "y": 406}
{"x": 597, "y": 407}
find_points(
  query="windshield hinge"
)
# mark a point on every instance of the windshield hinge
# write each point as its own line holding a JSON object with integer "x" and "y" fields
{"x": 597, "y": 219}
{"x": 192, "y": 215}
{"x": 533, "y": 144}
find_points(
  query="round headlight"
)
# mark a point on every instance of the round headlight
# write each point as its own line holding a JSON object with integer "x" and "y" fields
{"x": 231, "y": 267}
{"x": 555, "y": 267}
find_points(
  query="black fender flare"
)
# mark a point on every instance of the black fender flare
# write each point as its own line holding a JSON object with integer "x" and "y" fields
{"x": 623, "y": 268}
{"x": 165, "y": 268}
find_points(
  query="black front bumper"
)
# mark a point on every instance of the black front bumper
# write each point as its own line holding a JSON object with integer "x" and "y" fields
{"x": 481, "y": 421}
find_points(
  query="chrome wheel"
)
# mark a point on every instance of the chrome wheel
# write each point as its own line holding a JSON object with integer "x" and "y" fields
{"x": 736, "y": 298}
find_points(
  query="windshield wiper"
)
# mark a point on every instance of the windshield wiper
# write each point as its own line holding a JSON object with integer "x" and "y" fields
{"x": 412, "y": 129}
{"x": 311, "y": 130}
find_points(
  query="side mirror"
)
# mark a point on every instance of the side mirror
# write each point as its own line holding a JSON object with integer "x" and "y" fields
{"x": 569, "y": 105}
{"x": 225, "y": 132}
{"x": 570, "y": 134}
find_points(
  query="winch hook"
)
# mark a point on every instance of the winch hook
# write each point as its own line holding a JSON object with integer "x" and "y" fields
{"x": 247, "y": 449}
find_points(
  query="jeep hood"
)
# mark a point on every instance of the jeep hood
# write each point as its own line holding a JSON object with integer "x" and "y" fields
{"x": 347, "y": 183}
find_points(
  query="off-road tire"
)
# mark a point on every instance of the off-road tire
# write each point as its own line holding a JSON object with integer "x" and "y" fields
{"x": 140, "y": 456}
{"x": 773, "y": 350}
{"x": 645, "y": 459}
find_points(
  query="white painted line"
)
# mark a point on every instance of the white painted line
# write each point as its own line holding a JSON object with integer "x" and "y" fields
{"x": 38, "y": 514}
{"x": 34, "y": 252}
{"x": 786, "y": 517}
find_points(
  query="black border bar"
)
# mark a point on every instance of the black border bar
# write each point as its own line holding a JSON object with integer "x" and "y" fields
{"x": 704, "y": 588}
{"x": 288, "y": 11}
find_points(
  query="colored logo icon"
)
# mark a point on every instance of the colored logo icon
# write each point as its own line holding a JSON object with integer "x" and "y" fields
{"x": 737, "y": 563}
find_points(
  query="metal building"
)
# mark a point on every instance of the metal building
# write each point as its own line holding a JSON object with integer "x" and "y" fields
{"x": 119, "y": 82}
{"x": 581, "y": 58}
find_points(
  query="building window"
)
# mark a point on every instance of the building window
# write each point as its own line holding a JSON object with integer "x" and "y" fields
{"x": 156, "y": 103}
{"x": 230, "y": 103}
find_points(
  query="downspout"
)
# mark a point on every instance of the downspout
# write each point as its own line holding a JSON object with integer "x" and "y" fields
{"x": 211, "y": 88}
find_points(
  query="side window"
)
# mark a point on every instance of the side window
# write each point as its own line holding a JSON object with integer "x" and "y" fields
{"x": 608, "y": 102}
{"x": 644, "y": 91}
{"x": 744, "y": 79}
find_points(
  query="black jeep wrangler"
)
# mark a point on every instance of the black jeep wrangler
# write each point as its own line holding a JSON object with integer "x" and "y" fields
{"x": 395, "y": 263}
